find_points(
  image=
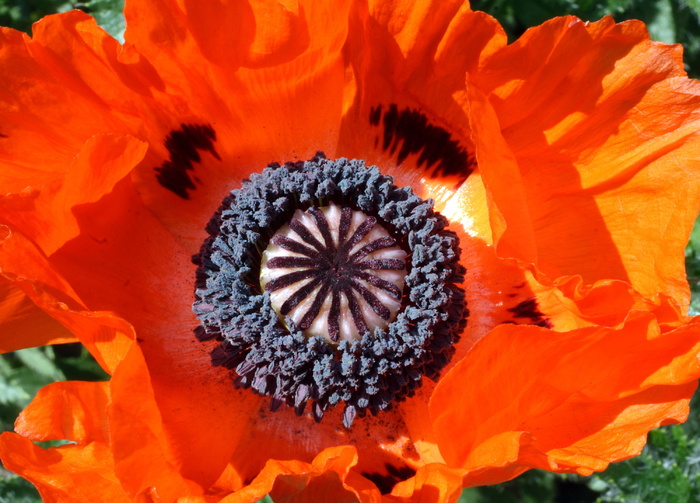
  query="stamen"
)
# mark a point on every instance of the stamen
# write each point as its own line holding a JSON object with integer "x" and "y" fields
{"x": 351, "y": 266}
{"x": 320, "y": 317}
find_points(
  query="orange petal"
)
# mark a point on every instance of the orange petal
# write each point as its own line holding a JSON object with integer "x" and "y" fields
{"x": 73, "y": 411}
{"x": 23, "y": 324}
{"x": 140, "y": 447}
{"x": 572, "y": 401}
{"x": 567, "y": 303}
{"x": 125, "y": 260}
{"x": 511, "y": 222}
{"x": 67, "y": 473}
{"x": 600, "y": 121}
{"x": 327, "y": 478}
{"x": 67, "y": 84}
{"x": 432, "y": 483}
{"x": 406, "y": 104}
{"x": 106, "y": 336}
{"x": 269, "y": 94}
{"x": 386, "y": 451}
{"x": 45, "y": 216}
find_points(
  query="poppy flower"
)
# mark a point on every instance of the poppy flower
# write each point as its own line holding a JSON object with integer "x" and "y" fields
{"x": 471, "y": 252}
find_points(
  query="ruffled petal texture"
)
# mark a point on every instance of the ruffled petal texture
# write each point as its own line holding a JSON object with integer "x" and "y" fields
{"x": 81, "y": 471}
{"x": 598, "y": 119}
{"x": 611, "y": 386}
{"x": 24, "y": 324}
{"x": 565, "y": 162}
{"x": 267, "y": 87}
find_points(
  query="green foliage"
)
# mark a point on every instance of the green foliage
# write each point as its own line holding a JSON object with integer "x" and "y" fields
{"x": 14, "y": 489}
{"x": 692, "y": 265}
{"x": 671, "y": 21}
{"x": 108, "y": 14}
{"x": 531, "y": 487}
{"x": 20, "y": 14}
{"x": 22, "y": 373}
{"x": 668, "y": 471}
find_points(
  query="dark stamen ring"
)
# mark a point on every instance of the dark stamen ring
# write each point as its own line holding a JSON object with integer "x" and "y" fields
{"x": 273, "y": 356}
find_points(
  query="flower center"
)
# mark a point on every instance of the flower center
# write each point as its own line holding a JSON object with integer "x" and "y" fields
{"x": 351, "y": 302}
{"x": 335, "y": 272}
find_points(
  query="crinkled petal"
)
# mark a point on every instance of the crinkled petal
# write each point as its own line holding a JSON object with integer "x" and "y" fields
{"x": 142, "y": 457}
{"x": 70, "y": 410}
{"x": 270, "y": 90}
{"x": 599, "y": 125}
{"x": 44, "y": 214}
{"x": 70, "y": 474}
{"x": 25, "y": 325}
{"x": 406, "y": 103}
{"x": 572, "y": 401}
{"x": 68, "y": 83}
{"x": 326, "y": 478}
{"x": 106, "y": 336}
{"x": 433, "y": 483}
{"x": 82, "y": 470}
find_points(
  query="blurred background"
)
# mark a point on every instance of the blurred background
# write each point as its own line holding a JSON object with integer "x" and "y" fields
{"x": 667, "y": 471}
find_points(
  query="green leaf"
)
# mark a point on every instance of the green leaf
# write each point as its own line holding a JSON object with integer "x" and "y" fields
{"x": 41, "y": 361}
{"x": 13, "y": 393}
{"x": 692, "y": 5}
{"x": 14, "y": 489}
{"x": 667, "y": 471}
{"x": 108, "y": 14}
{"x": 535, "y": 486}
{"x": 692, "y": 266}
{"x": 77, "y": 364}
{"x": 662, "y": 27}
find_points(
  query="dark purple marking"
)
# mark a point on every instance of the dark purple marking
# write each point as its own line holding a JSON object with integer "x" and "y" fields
{"x": 322, "y": 225}
{"x": 377, "y": 244}
{"x": 382, "y": 264}
{"x": 372, "y": 301}
{"x": 184, "y": 146}
{"x": 300, "y": 295}
{"x": 335, "y": 270}
{"x": 293, "y": 246}
{"x": 306, "y": 235}
{"x": 385, "y": 285}
{"x": 315, "y": 308}
{"x": 356, "y": 312}
{"x": 334, "y": 317}
{"x": 288, "y": 262}
{"x": 344, "y": 226}
{"x": 409, "y": 132}
{"x": 394, "y": 475}
{"x": 528, "y": 309}
{"x": 289, "y": 279}
{"x": 359, "y": 234}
